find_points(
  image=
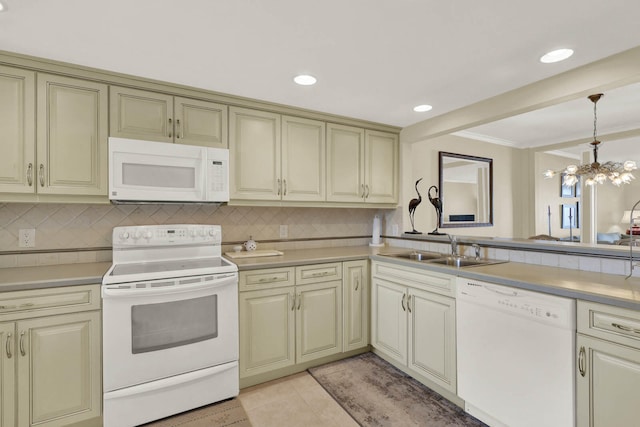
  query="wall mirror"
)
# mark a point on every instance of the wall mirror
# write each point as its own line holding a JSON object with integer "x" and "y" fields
{"x": 466, "y": 190}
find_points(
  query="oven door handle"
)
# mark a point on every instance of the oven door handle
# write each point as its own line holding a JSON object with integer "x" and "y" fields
{"x": 113, "y": 291}
{"x": 170, "y": 382}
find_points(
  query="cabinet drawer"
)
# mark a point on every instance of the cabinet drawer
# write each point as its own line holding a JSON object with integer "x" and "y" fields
{"x": 45, "y": 302}
{"x": 416, "y": 277}
{"x": 318, "y": 273}
{"x": 266, "y": 279}
{"x": 611, "y": 323}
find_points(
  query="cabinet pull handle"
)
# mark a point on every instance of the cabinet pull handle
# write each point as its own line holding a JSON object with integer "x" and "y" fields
{"x": 582, "y": 361}
{"x": 319, "y": 274}
{"x": 299, "y": 300}
{"x": 279, "y": 186}
{"x": 626, "y": 328}
{"x": 268, "y": 279}
{"x": 8, "y": 307}
{"x": 357, "y": 283}
{"x": 293, "y": 297}
{"x": 409, "y": 303}
{"x": 178, "y": 128}
{"x": 170, "y": 128}
{"x": 30, "y": 174}
{"x": 22, "y": 351}
{"x": 367, "y": 195}
{"x": 402, "y": 302}
{"x": 362, "y": 186}
{"x": 284, "y": 182}
{"x": 8, "y": 345}
{"x": 41, "y": 175}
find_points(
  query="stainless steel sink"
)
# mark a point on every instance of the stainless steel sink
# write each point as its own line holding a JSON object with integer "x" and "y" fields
{"x": 458, "y": 261}
{"x": 416, "y": 255}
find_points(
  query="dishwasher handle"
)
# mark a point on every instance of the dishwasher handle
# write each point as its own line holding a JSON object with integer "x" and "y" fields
{"x": 500, "y": 292}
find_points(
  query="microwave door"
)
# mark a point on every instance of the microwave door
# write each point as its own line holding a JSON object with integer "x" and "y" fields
{"x": 154, "y": 177}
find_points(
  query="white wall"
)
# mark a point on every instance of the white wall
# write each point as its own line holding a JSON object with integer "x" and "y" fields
{"x": 421, "y": 161}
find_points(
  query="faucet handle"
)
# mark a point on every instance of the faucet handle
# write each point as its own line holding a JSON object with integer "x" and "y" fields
{"x": 476, "y": 247}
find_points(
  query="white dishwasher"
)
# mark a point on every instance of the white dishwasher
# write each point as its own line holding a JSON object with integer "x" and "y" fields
{"x": 516, "y": 364}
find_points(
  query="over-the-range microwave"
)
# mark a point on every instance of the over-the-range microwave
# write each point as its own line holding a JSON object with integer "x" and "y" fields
{"x": 158, "y": 172}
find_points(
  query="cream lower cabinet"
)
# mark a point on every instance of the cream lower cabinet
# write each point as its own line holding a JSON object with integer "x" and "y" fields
{"x": 355, "y": 299}
{"x": 51, "y": 369}
{"x": 140, "y": 114}
{"x": 413, "y": 321}
{"x": 608, "y": 366}
{"x": 288, "y": 316}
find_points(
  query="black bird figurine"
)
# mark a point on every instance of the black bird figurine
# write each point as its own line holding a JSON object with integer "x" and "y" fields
{"x": 437, "y": 204}
{"x": 413, "y": 204}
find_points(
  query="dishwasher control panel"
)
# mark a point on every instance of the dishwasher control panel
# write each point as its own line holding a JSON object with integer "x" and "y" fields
{"x": 545, "y": 308}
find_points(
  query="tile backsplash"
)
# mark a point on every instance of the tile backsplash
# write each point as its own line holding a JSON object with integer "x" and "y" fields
{"x": 86, "y": 227}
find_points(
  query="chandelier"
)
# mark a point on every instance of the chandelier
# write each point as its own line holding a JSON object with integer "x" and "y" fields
{"x": 596, "y": 173}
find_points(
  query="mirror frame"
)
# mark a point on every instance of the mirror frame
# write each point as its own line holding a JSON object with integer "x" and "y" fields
{"x": 441, "y": 223}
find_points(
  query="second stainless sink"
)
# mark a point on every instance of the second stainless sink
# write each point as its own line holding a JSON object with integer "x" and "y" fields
{"x": 457, "y": 261}
{"x": 416, "y": 255}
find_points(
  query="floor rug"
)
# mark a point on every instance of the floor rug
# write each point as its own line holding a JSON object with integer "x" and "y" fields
{"x": 228, "y": 413}
{"x": 375, "y": 393}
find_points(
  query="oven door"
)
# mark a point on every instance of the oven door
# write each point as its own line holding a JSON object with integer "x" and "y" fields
{"x": 161, "y": 328}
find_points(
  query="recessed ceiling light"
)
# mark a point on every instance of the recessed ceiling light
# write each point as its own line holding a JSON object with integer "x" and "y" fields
{"x": 2, "y": 7}
{"x": 422, "y": 108}
{"x": 305, "y": 80}
{"x": 556, "y": 56}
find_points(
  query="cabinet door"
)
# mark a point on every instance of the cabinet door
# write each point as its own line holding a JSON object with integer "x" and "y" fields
{"x": 72, "y": 136}
{"x": 254, "y": 151}
{"x": 389, "y": 319}
{"x": 139, "y": 114}
{"x": 345, "y": 164}
{"x": 17, "y": 121}
{"x": 200, "y": 123}
{"x": 267, "y": 330}
{"x": 381, "y": 167}
{"x": 303, "y": 159}
{"x": 607, "y": 395}
{"x": 356, "y": 305}
{"x": 318, "y": 320}
{"x": 7, "y": 375}
{"x": 432, "y": 339}
{"x": 59, "y": 370}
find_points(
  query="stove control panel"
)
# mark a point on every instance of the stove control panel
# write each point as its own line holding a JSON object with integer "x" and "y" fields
{"x": 166, "y": 235}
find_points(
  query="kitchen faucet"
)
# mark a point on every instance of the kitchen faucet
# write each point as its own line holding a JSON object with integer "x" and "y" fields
{"x": 454, "y": 245}
{"x": 476, "y": 247}
{"x": 631, "y": 240}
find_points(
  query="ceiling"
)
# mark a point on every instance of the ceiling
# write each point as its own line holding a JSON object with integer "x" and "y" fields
{"x": 373, "y": 60}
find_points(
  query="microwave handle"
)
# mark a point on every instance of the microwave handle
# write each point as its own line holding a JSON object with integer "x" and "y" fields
{"x": 112, "y": 291}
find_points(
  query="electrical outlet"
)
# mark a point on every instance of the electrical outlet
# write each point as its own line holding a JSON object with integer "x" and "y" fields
{"x": 284, "y": 231}
{"x": 394, "y": 230}
{"x": 27, "y": 238}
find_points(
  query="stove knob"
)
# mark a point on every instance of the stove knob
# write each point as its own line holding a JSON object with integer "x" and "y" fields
{"x": 137, "y": 235}
{"x": 148, "y": 235}
{"x": 124, "y": 235}
{"x": 212, "y": 232}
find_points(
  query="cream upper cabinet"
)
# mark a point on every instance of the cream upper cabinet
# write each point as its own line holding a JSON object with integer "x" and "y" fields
{"x": 17, "y": 121}
{"x": 64, "y": 152}
{"x": 355, "y": 299}
{"x": 276, "y": 158}
{"x": 381, "y": 167}
{"x": 303, "y": 159}
{"x": 345, "y": 164}
{"x": 140, "y": 114}
{"x": 71, "y": 136}
{"x": 608, "y": 366}
{"x": 254, "y": 151}
{"x": 362, "y": 165}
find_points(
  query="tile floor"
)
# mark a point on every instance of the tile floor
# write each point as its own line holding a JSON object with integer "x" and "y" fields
{"x": 293, "y": 401}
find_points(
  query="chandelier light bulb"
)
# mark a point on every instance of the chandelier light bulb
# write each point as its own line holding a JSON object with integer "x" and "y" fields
{"x": 630, "y": 165}
{"x": 549, "y": 173}
{"x": 572, "y": 169}
{"x": 590, "y": 182}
